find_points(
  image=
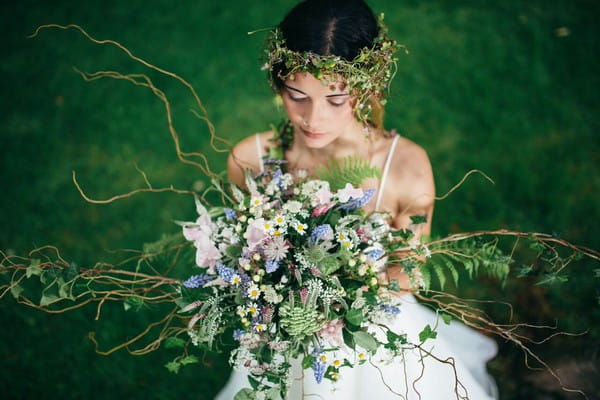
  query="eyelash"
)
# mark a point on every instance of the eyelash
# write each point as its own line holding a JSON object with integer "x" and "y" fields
{"x": 302, "y": 99}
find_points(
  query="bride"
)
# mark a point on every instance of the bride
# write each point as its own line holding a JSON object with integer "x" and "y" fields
{"x": 316, "y": 67}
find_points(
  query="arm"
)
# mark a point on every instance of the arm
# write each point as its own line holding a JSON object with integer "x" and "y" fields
{"x": 416, "y": 195}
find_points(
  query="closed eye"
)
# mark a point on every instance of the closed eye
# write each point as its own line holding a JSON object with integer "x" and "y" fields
{"x": 337, "y": 103}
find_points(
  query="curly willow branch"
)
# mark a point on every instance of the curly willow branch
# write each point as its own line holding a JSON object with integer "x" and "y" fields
{"x": 145, "y": 81}
{"x": 475, "y": 318}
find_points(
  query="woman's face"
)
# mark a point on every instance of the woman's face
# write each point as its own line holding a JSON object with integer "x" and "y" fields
{"x": 320, "y": 113}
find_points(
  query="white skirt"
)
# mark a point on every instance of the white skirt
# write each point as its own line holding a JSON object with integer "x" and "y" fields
{"x": 416, "y": 376}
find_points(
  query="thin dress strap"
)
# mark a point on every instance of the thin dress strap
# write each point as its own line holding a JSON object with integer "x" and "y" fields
{"x": 385, "y": 171}
{"x": 260, "y": 153}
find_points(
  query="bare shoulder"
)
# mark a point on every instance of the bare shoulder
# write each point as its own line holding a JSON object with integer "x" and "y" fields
{"x": 411, "y": 169}
{"x": 245, "y": 155}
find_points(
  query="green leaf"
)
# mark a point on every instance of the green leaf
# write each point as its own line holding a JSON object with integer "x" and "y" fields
{"x": 351, "y": 170}
{"x": 174, "y": 343}
{"x": 244, "y": 394}
{"x": 354, "y": 316}
{"x": 394, "y": 286}
{"x": 16, "y": 291}
{"x": 365, "y": 340}
{"x": 47, "y": 299}
{"x": 173, "y": 366}
{"x": 447, "y": 318}
{"x": 254, "y": 383}
{"x": 427, "y": 333}
{"x": 233, "y": 251}
{"x": 307, "y": 362}
{"x": 33, "y": 269}
{"x": 439, "y": 272}
{"x": 329, "y": 265}
{"x": 348, "y": 338}
{"x": 191, "y": 359}
{"x": 418, "y": 219}
{"x": 134, "y": 303}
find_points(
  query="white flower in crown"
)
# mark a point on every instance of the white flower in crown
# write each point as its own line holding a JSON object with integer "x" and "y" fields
{"x": 349, "y": 192}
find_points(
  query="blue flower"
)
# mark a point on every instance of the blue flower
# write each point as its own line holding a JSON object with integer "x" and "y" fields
{"x": 229, "y": 213}
{"x": 375, "y": 254}
{"x": 321, "y": 232}
{"x": 389, "y": 309}
{"x": 319, "y": 369}
{"x": 271, "y": 266}
{"x": 225, "y": 273}
{"x": 237, "y": 334}
{"x": 360, "y": 202}
{"x": 197, "y": 281}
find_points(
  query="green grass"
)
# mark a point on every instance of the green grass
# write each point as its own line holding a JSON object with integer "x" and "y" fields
{"x": 487, "y": 85}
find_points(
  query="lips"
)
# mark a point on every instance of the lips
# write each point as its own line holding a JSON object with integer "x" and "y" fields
{"x": 312, "y": 135}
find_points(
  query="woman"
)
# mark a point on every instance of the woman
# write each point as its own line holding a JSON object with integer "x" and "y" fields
{"x": 335, "y": 111}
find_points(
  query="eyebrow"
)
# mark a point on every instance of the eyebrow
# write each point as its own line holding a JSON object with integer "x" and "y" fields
{"x": 301, "y": 92}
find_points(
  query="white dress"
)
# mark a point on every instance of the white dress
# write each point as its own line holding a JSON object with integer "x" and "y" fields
{"x": 416, "y": 376}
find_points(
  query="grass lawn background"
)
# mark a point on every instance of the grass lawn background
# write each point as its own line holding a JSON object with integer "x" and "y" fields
{"x": 510, "y": 88}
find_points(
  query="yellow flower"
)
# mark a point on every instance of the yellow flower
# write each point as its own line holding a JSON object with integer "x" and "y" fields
{"x": 323, "y": 358}
{"x": 337, "y": 363}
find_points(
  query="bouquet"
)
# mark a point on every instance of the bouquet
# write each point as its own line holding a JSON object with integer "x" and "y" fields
{"x": 291, "y": 271}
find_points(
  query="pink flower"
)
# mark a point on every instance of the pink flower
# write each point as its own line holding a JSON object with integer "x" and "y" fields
{"x": 323, "y": 195}
{"x": 322, "y": 209}
{"x": 256, "y": 233}
{"x": 332, "y": 332}
{"x": 207, "y": 255}
{"x": 303, "y": 295}
{"x": 349, "y": 192}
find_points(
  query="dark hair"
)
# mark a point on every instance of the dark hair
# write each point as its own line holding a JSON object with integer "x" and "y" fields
{"x": 327, "y": 27}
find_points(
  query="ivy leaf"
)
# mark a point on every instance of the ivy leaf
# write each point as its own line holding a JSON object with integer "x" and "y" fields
{"x": 16, "y": 291}
{"x": 47, "y": 299}
{"x": 191, "y": 359}
{"x": 134, "y": 303}
{"x": 33, "y": 269}
{"x": 427, "y": 333}
{"x": 446, "y": 318}
{"x": 365, "y": 340}
{"x": 244, "y": 394}
{"x": 173, "y": 366}
{"x": 174, "y": 343}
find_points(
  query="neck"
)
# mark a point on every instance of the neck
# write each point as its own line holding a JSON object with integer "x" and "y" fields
{"x": 353, "y": 142}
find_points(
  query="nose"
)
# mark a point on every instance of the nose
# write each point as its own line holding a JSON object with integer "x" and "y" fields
{"x": 315, "y": 116}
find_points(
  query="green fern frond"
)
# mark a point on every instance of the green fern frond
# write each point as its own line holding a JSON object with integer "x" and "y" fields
{"x": 352, "y": 169}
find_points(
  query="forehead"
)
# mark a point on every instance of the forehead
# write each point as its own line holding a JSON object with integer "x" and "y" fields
{"x": 307, "y": 83}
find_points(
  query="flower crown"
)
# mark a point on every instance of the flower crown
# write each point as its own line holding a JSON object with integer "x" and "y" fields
{"x": 367, "y": 75}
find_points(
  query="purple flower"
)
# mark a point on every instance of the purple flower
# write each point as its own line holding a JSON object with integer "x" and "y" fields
{"x": 319, "y": 369}
{"x": 230, "y": 213}
{"x": 271, "y": 266}
{"x": 357, "y": 203}
{"x": 197, "y": 281}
